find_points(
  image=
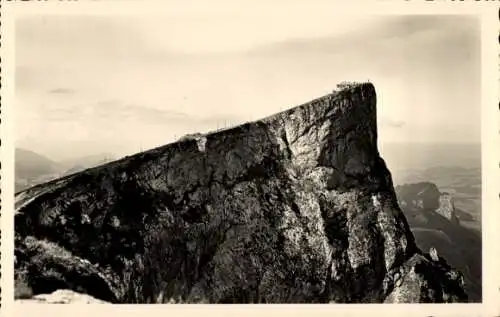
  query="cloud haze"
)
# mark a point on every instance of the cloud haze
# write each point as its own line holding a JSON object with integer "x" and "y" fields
{"x": 95, "y": 84}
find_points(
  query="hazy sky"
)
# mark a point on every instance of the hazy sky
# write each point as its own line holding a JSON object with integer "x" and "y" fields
{"x": 86, "y": 85}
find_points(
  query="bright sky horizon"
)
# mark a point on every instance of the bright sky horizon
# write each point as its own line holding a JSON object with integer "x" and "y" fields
{"x": 91, "y": 84}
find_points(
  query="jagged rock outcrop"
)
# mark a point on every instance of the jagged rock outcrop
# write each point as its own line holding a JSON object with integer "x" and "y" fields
{"x": 296, "y": 207}
{"x": 447, "y": 208}
{"x": 63, "y": 297}
{"x": 422, "y": 195}
{"x": 426, "y": 195}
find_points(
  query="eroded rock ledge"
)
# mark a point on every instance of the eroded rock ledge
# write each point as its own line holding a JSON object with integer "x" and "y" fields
{"x": 297, "y": 207}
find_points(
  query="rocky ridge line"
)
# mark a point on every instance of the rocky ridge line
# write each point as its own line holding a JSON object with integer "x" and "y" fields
{"x": 296, "y": 207}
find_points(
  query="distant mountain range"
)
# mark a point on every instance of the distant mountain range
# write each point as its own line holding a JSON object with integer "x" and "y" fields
{"x": 29, "y": 164}
{"x": 32, "y": 168}
{"x": 441, "y": 157}
{"x": 87, "y": 161}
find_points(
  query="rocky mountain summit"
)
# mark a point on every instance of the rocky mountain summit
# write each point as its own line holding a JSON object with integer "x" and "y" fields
{"x": 298, "y": 207}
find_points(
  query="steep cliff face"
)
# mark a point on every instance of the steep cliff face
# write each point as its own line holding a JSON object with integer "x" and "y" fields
{"x": 296, "y": 207}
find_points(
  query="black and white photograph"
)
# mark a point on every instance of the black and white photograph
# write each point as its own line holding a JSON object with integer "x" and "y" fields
{"x": 216, "y": 158}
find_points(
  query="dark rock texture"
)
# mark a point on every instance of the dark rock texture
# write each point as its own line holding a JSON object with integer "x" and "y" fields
{"x": 297, "y": 207}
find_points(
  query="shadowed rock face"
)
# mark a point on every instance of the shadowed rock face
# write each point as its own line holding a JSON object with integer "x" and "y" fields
{"x": 297, "y": 207}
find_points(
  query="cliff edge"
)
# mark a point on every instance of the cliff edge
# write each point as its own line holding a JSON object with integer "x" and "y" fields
{"x": 295, "y": 208}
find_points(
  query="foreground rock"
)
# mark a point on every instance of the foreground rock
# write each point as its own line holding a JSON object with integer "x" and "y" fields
{"x": 297, "y": 207}
{"x": 62, "y": 297}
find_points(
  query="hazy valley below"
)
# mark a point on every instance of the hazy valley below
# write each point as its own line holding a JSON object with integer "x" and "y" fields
{"x": 423, "y": 176}
{"x": 33, "y": 168}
